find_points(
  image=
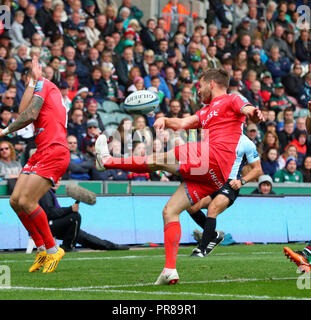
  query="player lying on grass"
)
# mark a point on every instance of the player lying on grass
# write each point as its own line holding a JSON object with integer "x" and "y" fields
{"x": 223, "y": 198}
{"x": 41, "y": 105}
{"x": 301, "y": 258}
{"x": 204, "y": 166}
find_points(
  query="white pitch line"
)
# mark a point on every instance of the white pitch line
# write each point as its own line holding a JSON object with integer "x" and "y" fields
{"x": 96, "y": 289}
{"x": 150, "y": 284}
{"x": 132, "y": 257}
{"x": 237, "y": 296}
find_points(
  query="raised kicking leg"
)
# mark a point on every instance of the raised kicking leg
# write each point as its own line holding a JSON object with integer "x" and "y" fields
{"x": 139, "y": 164}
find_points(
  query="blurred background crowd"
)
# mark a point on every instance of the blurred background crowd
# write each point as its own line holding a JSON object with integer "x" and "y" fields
{"x": 98, "y": 52}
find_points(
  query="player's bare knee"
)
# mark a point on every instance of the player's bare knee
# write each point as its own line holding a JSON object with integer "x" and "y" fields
{"x": 213, "y": 211}
{"x": 14, "y": 203}
{"x": 25, "y": 204}
{"x": 167, "y": 213}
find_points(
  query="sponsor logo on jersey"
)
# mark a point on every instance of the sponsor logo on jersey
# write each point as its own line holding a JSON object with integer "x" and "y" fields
{"x": 212, "y": 114}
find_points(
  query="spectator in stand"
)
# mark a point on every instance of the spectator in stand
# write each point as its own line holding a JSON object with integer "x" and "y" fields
{"x": 287, "y": 134}
{"x": 92, "y": 59}
{"x": 187, "y": 102}
{"x": 171, "y": 80}
{"x": 6, "y": 78}
{"x": 213, "y": 61}
{"x": 124, "y": 135}
{"x": 55, "y": 64}
{"x": 91, "y": 32}
{"x": 277, "y": 65}
{"x": 76, "y": 126}
{"x": 44, "y": 13}
{"x": 147, "y": 34}
{"x": 16, "y": 31}
{"x": 265, "y": 185}
{"x": 305, "y": 91}
{"x": 300, "y": 143}
{"x": 290, "y": 151}
{"x": 252, "y": 134}
{"x": 142, "y": 133}
{"x": 225, "y": 12}
{"x": 270, "y": 140}
{"x": 293, "y": 82}
{"x": 287, "y": 115}
{"x": 135, "y": 13}
{"x": 255, "y": 94}
{"x": 80, "y": 166}
{"x": 123, "y": 66}
{"x": 91, "y": 113}
{"x": 54, "y": 26}
{"x": 303, "y": 47}
{"x": 5, "y": 120}
{"x": 64, "y": 87}
{"x": 30, "y": 23}
{"x": 269, "y": 162}
{"x": 289, "y": 173}
{"x": 111, "y": 90}
{"x": 175, "y": 110}
{"x": 154, "y": 71}
{"x": 96, "y": 84}
{"x": 92, "y": 133}
{"x": 279, "y": 101}
{"x": 256, "y": 64}
{"x": 267, "y": 86}
{"x": 240, "y": 10}
{"x": 276, "y": 40}
{"x": 300, "y": 126}
{"x": 71, "y": 79}
{"x": 306, "y": 169}
{"x": 174, "y": 13}
{"x": 9, "y": 167}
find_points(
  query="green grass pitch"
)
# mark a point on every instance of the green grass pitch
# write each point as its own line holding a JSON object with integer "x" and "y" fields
{"x": 238, "y": 272}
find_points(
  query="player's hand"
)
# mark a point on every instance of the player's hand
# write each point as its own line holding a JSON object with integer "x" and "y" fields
{"x": 75, "y": 207}
{"x": 36, "y": 69}
{"x": 256, "y": 116}
{"x": 1, "y": 135}
{"x": 159, "y": 124}
{"x": 235, "y": 184}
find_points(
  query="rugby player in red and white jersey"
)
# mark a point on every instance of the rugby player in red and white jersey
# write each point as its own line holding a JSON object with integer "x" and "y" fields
{"x": 41, "y": 105}
{"x": 204, "y": 166}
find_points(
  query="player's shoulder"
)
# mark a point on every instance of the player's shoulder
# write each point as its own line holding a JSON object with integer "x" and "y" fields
{"x": 43, "y": 83}
{"x": 237, "y": 95}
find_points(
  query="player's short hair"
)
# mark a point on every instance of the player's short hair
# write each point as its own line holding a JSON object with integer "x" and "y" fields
{"x": 220, "y": 76}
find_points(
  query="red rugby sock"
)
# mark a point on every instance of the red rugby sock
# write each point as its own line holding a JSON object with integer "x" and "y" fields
{"x": 172, "y": 234}
{"x": 39, "y": 219}
{"x": 31, "y": 228}
{"x": 135, "y": 164}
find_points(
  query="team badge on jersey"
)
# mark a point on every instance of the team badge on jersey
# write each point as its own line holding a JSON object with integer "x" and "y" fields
{"x": 39, "y": 86}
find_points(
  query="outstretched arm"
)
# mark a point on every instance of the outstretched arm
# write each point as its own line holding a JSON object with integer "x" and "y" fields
{"x": 253, "y": 114}
{"x": 26, "y": 117}
{"x": 177, "y": 123}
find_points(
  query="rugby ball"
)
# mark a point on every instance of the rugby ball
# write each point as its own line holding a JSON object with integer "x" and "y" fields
{"x": 141, "y": 102}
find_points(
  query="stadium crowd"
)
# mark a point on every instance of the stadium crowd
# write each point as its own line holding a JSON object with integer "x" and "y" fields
{"x": 98, "y": 53}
